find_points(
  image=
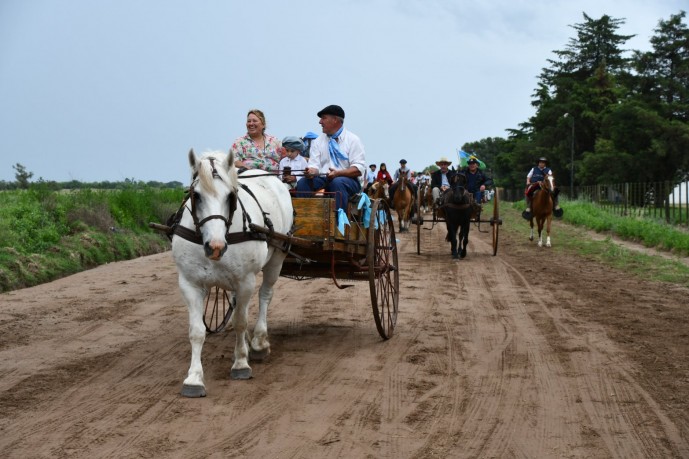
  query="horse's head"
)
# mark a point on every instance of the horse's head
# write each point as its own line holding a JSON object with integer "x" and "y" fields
{"x": 213, "y": 196}
{"x": 457, "y": 184}
{"x": 402, "y": 182}
{"x": 549, "y": 183}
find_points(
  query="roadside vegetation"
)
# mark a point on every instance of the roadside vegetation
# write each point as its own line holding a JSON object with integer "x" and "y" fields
{"x": 581, "y": 217}
{"x": 46, "y": 234}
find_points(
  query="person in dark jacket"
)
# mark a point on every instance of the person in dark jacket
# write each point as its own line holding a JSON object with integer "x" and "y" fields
{"x": 440, "y": 179}
{"x": 476, "y": 180}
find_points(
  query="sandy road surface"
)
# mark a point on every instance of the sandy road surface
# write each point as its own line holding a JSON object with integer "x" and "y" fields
{"x": 499, "y": 357}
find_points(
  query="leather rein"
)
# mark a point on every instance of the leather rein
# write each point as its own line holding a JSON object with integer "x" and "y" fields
{"x": 247, "y": 234}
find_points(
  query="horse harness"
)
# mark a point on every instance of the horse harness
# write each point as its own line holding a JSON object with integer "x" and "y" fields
{"x": 247, "y": 233}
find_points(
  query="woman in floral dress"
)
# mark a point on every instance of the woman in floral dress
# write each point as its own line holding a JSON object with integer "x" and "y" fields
{"x": 256, "y": 149}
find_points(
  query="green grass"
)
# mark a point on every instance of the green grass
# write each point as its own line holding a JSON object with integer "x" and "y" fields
{"x": 652, "y": 233}
{"x": 579, "y": 218}
{"x": 45, "y": 235}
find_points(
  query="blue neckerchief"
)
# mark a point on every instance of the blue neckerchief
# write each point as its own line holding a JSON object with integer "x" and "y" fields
{"x": 335, "y": 153}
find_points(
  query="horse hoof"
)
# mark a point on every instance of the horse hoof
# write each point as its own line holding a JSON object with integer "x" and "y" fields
{"x": 463, "y": 254}
{"x": 240, "y": 373}
{"x": 558, "y": 213}
{"x": 193, "y": 391}
{"x": 258, "y": 356}
{"x": 455, "y": 256}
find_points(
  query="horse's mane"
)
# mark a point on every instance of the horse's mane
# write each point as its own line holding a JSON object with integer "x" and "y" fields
{"x": 209, "y": 170}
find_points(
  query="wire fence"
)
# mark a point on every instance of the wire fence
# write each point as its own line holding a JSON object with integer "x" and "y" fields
{"x": 659, "y": 200}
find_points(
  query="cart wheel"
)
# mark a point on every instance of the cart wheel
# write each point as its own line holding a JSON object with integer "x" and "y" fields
{"x": 495, "y": 222}
{"x": 218, "y": 310}
{"x": 419, "y": 221}
{"x": 383, "y": 272}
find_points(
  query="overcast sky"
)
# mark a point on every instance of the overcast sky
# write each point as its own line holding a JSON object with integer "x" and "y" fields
{"x": 95, "y": 90}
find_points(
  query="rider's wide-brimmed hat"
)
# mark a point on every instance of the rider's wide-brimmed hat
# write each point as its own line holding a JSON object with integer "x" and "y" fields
{"x": 544, "y": 159}
{"x": 443, "y": 160}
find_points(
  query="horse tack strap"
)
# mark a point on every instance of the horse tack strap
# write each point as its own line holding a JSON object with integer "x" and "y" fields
{"x": 456, "y": 206}
{"x": 230, "y": 238}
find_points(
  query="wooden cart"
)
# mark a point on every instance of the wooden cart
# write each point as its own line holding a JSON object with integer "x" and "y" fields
{"x": 366, "y": 252}
{"x": 477, "y": 218}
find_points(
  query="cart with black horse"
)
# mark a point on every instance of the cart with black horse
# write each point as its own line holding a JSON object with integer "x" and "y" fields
{"x": 458, "y": 209}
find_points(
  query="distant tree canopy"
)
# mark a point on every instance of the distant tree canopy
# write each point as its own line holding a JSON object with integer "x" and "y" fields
{"x": 609, "y": 117}
{"x": 22, "y": 177}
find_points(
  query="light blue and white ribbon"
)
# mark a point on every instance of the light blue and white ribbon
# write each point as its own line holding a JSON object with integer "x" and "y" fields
{"x": 342, "y": 220}
{"x": 365, "y": 206}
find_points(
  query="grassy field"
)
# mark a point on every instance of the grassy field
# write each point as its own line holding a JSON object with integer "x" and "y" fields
{"x": 45, "y": 235}
{"x": 572, "y": 234}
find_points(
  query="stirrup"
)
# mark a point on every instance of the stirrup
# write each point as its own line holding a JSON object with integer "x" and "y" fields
{"x": 526, "y": 215}
{"x": 558, "y": 212}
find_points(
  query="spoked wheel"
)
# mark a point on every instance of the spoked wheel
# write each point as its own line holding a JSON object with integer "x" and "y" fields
{"x": 419, "y": 220}
{"x": 218, "y": 310}
{"x": 495, "y": 222}
{"x": 383, "y": 272}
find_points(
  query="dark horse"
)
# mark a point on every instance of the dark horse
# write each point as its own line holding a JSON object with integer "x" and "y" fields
{"x": 456, "y": 203}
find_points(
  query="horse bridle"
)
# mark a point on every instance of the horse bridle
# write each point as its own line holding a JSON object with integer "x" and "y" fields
{"x": 232, "y": 198}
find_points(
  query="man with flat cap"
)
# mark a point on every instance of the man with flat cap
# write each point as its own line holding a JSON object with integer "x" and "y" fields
{"x": 337, "y": 160}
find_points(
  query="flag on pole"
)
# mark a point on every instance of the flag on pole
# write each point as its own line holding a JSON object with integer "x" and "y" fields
{"x": 463, "y": 157}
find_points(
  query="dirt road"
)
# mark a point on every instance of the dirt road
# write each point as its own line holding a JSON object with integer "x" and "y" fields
{"x": 508, "y": 356}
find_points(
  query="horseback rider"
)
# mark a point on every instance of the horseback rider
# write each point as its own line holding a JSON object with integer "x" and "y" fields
{"x": 370, "y": 177}
{"x": 538, "y": 174}
{"x": 476, "y": 180}
{"x": 402, "y": 171}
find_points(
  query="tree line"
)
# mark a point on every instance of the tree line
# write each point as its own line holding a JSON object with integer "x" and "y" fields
{"x": 23, "y": 181}
{"x": 604, "y": 114}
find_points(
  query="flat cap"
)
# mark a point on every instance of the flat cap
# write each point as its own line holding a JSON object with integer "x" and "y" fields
{"x": 293, "y": 143}
{"x": 332, "y": 110}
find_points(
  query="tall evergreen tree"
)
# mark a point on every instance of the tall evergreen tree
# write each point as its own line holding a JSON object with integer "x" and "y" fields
{"x": 582, "y": 83}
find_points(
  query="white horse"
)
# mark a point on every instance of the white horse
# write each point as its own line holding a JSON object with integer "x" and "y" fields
{"x": 210, "y": 261}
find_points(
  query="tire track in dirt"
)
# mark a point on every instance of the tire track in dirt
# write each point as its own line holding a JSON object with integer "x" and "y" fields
{"x": 486, "y": 361}
{"x": 623, "y": 418}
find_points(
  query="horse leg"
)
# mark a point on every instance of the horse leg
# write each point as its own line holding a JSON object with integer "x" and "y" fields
{"x": 465, "y": 237}
{"x": 531, "y": 223}
{"x": 452, "y": 237}
{"x": 260, "y": 345}
{"x": 193, "y": 385}
{"x": 540, "y": 232}
{"x": 245, "y": 289}
{"x": 547, "y": 229}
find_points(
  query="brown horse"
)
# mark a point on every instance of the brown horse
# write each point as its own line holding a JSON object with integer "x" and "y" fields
{"x": 426, "y": 197}
{"x": 379, "y": 190}
{"x": 402, "y": 203}
{"x": 542, "y": 209}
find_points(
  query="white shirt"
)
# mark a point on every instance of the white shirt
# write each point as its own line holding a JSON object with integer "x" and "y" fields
{"x": 371, "y": 176}
{"x": 350, "y": 146}
{"x": 297, "y": 164}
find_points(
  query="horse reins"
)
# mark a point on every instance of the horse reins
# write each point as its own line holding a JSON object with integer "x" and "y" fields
{"x": 231, "y": 238}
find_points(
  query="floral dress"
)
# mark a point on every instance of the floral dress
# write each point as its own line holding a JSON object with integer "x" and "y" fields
{"x": 267, "y": 158}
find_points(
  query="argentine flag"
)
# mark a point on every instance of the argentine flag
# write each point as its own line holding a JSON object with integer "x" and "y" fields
{"x": 463, "y": 157}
